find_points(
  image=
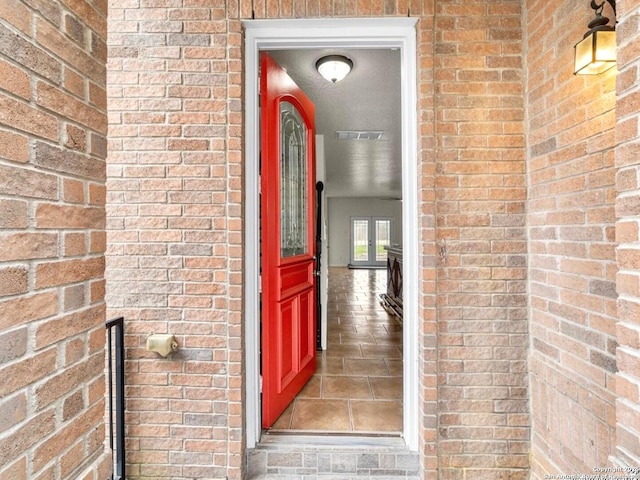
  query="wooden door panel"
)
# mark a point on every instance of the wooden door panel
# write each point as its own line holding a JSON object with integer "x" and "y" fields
{"x": 295, "y": 338}
{"x": 307, "y": 348}
{"x": 287, "y": 239}
{"x": 296, "y": 278}
{"x": 286, "y": 344}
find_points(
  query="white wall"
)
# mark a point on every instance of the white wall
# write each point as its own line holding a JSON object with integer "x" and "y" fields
{"x": 340, "y": 210}
{"x": 324, "y": 254}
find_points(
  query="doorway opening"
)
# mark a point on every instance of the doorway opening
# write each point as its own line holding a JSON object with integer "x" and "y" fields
{"x": 357, "y": 387}
{"x": 335, "y": 33}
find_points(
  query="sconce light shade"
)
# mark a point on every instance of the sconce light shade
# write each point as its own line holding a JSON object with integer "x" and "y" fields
{"x": 596, "y": 53}
{"x": 334, "y": 67}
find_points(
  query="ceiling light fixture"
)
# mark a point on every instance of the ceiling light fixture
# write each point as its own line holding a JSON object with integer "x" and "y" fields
{"x": 596, "y": 52}
{"x": 359, "y": 134}
{"x": 334, "y": 67}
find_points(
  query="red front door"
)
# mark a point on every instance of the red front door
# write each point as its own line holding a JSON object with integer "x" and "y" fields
{"x": 287, "y": 235}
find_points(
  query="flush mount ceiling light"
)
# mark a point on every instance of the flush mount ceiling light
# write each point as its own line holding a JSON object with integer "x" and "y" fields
{"x": 596, "y": 52}
{"x": 334, "y": 67}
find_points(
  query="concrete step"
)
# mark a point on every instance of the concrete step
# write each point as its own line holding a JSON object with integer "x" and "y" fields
{"x": 301, "y": 457}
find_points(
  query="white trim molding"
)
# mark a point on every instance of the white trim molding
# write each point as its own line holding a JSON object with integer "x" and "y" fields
{"x": 397, "y": 33}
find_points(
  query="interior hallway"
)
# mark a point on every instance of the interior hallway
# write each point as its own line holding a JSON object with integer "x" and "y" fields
{"x": 358, "y": 383}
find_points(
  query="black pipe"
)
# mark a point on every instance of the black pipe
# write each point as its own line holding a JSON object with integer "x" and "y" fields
{"x": 120, "y": 462}
{"x": 319, "y": 189}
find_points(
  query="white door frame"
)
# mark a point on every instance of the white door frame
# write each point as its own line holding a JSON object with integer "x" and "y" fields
{"x": 321, "y": 33}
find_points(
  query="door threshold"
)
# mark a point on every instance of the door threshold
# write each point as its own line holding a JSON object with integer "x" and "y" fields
{"x": 331, "y": 440}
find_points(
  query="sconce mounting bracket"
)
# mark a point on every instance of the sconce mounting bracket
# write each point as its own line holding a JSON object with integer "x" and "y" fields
{"x": 597, "y": 7}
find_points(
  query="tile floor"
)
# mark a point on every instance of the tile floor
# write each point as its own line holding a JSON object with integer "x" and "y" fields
{"x": 358, "y": 384}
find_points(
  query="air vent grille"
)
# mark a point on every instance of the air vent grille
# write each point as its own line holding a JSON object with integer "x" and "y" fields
{"x": 359, "y": 134}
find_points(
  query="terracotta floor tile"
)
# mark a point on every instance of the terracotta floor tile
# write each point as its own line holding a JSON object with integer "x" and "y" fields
{"x": 355, "y": 320}
{"x": 387, "y": 388}
{"x": 357, "y": 338}
{"x": 374, "y": 329}
{"x": 346, "y": 387}
{"x": 394, "y": 328}
{"x": 284, "y": 420}
{"x": 343, "y": 351}
{"x": 312, "y": 388}
{"x": 377, "y": 416}
{"x": 377, "y": 351}
{"x": 321, "y": 415}
{"x": 365, "y": 366}
{"x": 380, "y": 321}
{"x": 329, "y": 365}
{"x": 333, "y": 338}
{"x": 395, "y": 366}
{"x": 340, "y": 328}
{"x": 388, "y": 338}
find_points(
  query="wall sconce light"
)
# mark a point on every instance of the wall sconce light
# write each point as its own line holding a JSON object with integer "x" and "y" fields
{"x": 334, "y": 67}
{"x": 596, "y": 52}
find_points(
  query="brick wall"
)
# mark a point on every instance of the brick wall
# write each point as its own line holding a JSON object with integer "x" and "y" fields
{"x": 53, "y": 127}
{"x": 428, "y": 326}
{"x": 571, "y": 139}
{"x": 175, "y": 255}
{"x": 627, "y": 162}
{"x": 174, "y": 219}
{"x": 174, "y": 231}
{"x": 481, "y": 241}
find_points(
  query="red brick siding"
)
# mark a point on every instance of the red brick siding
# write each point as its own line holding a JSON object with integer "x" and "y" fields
{"x": 175, "y": 224}
{"x": 428, "y": 327}
{"x": 174, "y": 259}
{"x": 571, "y": 139}
{"x": 175, "y": 167}
{"x": 481, "y": 240}
{"x": 628, "y": 213}
{"x": 53, "y": 128}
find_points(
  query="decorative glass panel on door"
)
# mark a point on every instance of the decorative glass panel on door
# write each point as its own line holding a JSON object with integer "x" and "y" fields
{"x": 360, "y": 240}
{"x": 293, "y": 174}
{"x": 383, "y": 238}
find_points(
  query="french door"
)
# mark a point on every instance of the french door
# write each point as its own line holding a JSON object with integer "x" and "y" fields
{"x": 369, "y": 236}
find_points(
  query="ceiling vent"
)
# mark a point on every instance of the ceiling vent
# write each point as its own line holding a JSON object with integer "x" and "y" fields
{"x": 359, "y": 134}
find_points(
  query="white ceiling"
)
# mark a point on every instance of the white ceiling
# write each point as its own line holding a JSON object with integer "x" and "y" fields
{"x": 367, "y": 99}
